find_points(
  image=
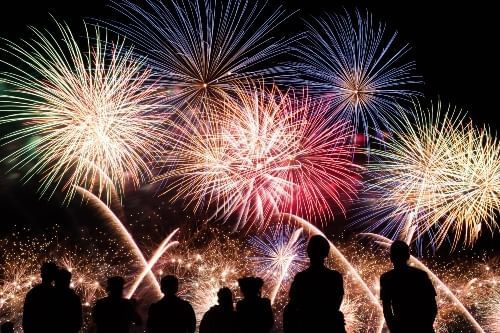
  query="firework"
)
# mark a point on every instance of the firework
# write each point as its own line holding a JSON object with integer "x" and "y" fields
{"x": 89, "y": 266}
{"x": 205, "y": 268}
{"x": 86, "y": 112}
{"x": 280, "y": 256}
{"x": 437, "y": 176}
{"x": 260, "y": 154}
{"x": 203, "y": 48}
{"x": 123, "y": 234}
{"x": 351, "y": 61}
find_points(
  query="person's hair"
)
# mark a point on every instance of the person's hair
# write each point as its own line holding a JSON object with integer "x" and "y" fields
{"x": 63, "y": 277}
{"x": 250, "y": 285}
{"x": 7, "y": 327}
{"x": 115, "y": 285}
{"x": 400, "y": 252}
{"x": 318, "y": 247}
{"x": 169, "y": 284}
{"x": 225, "y": 296}
{"x": 48, "y": 271}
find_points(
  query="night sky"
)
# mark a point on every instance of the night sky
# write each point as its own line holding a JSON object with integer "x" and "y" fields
{"x": 453, "y": 46}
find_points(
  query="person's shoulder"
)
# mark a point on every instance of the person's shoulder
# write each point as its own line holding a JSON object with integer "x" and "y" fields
{"x": 333, "y": 273}
{"x": 417, "y": 272}
{"x": 387, "y": 275}
{"x": 265, "y": 301}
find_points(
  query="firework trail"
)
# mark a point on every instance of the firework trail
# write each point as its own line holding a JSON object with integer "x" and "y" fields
{"x": 162, "y": 248}
{"x": 123, "y": 233}
{"x": 203, "y": 49}
{"x": 437, "y": 175}
{"x": 84, "y": 110}
{"x": 265, "y": 152}
{"x": 353, "y": 62}
{"x": 386, "y": 243}
{"x": 279, "y": 256}
{"x": 310, "y": 228}
{"x": 493, "y": 311}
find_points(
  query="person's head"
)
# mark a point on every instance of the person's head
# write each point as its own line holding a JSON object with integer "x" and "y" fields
{"x": 318, "y": 249}
{"x": 7, "y": 327}
{"x": 400, "y": 253}
{"x": 63, "y": 278}
{"x": 225, "y": 297}
{"x": 115, "y": 286}
{"x": 250, "y": 286}
{"x": 169, "y": 285}
{"x": 48, "y": 272}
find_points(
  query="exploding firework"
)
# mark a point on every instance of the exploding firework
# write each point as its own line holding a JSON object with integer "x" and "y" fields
{"x": 87, "y": 113}
{"x": 355, "y": 64}
{"x": 203, "y": 48}
{"x": 205, "y": 268}
{"x": 279, "y": 256}
{"x": 437, "y": 176}
{"x": 260, "y": 154}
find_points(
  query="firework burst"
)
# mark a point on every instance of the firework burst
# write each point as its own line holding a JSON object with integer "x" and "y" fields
{"x": 351, "y": 61}
{"x": 88, "y": 114}
{"x": 437, "y": 176}
{"x": 279, "y": 256}
{"x": 260, "y": 154}
{"x": 203, "y": 48}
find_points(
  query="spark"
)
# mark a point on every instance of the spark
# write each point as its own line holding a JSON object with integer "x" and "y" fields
{"x": 279, "y": 256}
{"x": 203, "y": 49}
{"x": 355, "y": 64}
{"x": 437, "y": 176}
{"x": 87, "y": 112}
{"x": 121, "y": 232}
{"x": 263, "y": 153}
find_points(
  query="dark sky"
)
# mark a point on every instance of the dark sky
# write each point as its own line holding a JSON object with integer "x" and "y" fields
{"x": 453, "y": 46}
{"x": 453, "y": 43}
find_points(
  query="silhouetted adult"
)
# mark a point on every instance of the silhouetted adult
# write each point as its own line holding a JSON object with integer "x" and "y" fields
{"x": 67, "y": 304}
{"x": 38, "y": 314}
{"x": 315, "y": 295}
{"x": 7, "y": 327}
{"x": 171, "y": 314}
{"x": 115, "y": 314}
{"x": 408, "y": 296}
{"x": 254, "y": 313}
{"x": 220, "y": 318}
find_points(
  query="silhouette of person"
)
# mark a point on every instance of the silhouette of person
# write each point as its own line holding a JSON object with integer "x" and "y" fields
{"x": 38, "y": 304}
{"x": 408, "y": 296}
{"x": 254, "y": 313}
{"x": 171, "y": 314}
{"x": 220, "y": 318}
{"x": 7, "y": 327}
{"x": 315, "y": 295}
{"x": 115, "y": 314}
{"x": 67, "y": 304}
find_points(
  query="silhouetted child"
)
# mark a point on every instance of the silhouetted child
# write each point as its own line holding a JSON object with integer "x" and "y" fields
{"x": 171, "y": 314}
{"x": 67, "y": 304}
{"x": 315, "y": 295}
{"x": 7, "y": 327}
{"x": 220, "y": 318}
{"x": 254, "y": 313}
{"x": 408, "y": 296}
{"x": 115, "y": 314}
{"x": 38, "y": 305}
